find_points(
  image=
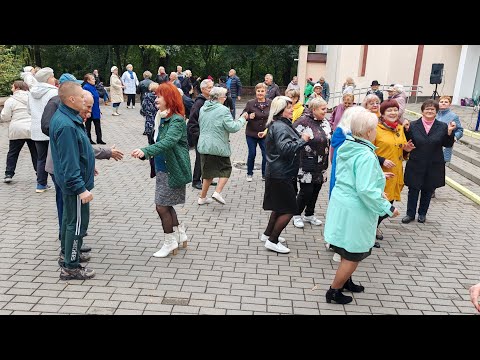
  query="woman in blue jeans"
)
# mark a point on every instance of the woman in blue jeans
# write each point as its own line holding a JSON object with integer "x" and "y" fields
{"x": 257, "y": 110}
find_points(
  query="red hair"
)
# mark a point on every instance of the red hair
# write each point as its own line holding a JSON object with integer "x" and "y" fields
{"x": 172, "y": 97}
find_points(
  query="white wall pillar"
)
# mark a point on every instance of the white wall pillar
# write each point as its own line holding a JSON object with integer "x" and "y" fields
{"x": 302, "y": 69}
{"x": 460, "y": 73}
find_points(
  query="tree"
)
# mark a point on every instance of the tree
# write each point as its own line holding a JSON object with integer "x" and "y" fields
{"x": 10, "y": 69}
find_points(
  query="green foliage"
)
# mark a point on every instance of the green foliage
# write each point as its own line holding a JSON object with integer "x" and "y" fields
{"x": 251, "y": 62}
{"x": 9, "y": 70}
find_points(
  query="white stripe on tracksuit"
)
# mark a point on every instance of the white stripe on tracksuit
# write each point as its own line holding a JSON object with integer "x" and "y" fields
{"x": 79, "y": 215}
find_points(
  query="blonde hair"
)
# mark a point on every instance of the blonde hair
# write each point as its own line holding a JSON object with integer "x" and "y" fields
{"x": 369, "y": 98}
{"x": 147, "y": 74}
{"x": 316, "y": 103}
{"x": 153, "y": 86}
{"x": 259, "y": 85}
{"x": 362, "y": 123}
{"x": 277, "y": 106}
{"x": 292, "y": 93}
{"x": 348, "y": 95}
{"x": 446, "y": 98}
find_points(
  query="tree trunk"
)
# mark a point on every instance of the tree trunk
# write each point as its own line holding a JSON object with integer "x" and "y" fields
{"x": 38, "y": 58}
{"x": 117, "y": 53}
{"x": 251, "y": 73}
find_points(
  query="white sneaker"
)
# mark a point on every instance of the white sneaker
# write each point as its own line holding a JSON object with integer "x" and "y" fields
{"x": 133, "y": 107}
{"x": 249, "y": 178}
{"x": 218, "y": 197}
{"x": 265, "y": 238}
{"x": 327, "y": 246}
{"x": 298, "y": 222}
{"x": 205, "y": 200}
{"x": 129, "y": 107}
{"x": 336, "y": 257}
{"x": 278, "y": 247}
{"x": 115, "y": 114}
{"x": 170, "y": 244}
{"x": 312, "y": 220}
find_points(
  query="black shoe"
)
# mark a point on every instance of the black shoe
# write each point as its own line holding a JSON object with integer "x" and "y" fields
{"x": 337, "y": 296}
{"x": 213, "y": 183}
{"x": 407, "y": 219}
{"x": 350, "y": 286}
{"x": 85, "y": 248}
{"x": 379, "y": 236}
{"x": 376, "y": 245}
{"x": 421, "y": 218}
{"x": 92, "y": 142}
{"x": 197, "y": 185}
{"x": 80, "y": 273}
{"x": 101, "y": 142}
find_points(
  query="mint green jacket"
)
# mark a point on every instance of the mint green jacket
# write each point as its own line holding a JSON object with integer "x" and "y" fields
{"x": 356, "y": 201}
{"x": 216, "y": 124}
{"x": 172, "y": 144}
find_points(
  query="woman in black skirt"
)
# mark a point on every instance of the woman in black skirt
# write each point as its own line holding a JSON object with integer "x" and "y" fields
{"x": 282, "y": 145}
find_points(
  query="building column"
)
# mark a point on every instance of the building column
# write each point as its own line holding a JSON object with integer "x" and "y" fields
{"x": 418, "y": 66}
{"x": 459, "y": 78}
{"x": 302, "y": 69}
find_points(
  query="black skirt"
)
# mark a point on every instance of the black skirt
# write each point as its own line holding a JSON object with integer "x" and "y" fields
{"x": 350, "y": 256}
{"x": 280, "y": 196}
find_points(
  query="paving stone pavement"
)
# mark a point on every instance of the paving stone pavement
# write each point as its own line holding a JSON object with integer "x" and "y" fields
{"x": 420, "y": 268}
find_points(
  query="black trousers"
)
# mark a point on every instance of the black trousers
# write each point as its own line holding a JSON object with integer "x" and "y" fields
{"x": 307, "y": 198}
{"x": 14, "y": 148}
{"x": 98, "y": 128}
{"x": 130, "y": 98}
{"x": 42, "y": 149}
{"x": 197, "y": 170}
{"x": 425, "y": 197}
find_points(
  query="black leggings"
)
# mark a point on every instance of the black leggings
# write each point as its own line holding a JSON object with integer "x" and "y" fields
{"x": 276, "y": 224}
{"x": 169, "y": 218}
{"x": 307, "y": 198}
{"x": 130, "y": 98}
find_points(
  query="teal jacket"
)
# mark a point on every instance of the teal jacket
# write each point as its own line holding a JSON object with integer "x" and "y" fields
{"x": 216, "y": 123}
{"x": 72, "y": 153}
{"x": 356, "y": 201}
{"x": 172, "y": 144}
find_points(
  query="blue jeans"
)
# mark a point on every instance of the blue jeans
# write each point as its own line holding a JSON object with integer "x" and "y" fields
{"x": 234, "y": 100}
{"x": 105, "y": 96}
{"x": 42, "y": 175}
{"x": 252, "y": 153}
{"x": 59, "y": 201}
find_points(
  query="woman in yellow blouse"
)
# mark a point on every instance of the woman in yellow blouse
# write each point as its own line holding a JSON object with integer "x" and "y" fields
{"x": 392, "y": 149}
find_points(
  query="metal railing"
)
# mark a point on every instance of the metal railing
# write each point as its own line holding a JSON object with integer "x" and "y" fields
{"x": 360, "y": 93}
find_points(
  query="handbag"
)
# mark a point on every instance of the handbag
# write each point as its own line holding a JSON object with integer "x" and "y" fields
{"x": 308, "y": 163}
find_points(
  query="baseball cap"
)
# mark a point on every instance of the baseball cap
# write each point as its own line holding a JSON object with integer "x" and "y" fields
{"x": 68, "y": 77}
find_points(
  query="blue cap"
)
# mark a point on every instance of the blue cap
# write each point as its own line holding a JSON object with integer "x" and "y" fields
{"x": 68, "y": 77}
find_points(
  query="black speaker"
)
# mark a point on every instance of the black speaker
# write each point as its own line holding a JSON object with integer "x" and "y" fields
{"x": 436, "y": 74}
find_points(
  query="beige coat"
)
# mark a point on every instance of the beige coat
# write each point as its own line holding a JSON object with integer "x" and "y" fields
{"x": 15, "y": 111}
{"x": 116, "y": 92}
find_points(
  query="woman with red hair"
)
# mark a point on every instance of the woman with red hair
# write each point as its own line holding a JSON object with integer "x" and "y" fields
{"x": 172, "y": 164}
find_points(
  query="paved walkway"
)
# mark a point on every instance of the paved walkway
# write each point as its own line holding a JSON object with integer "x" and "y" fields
{"x": 420, "y": 269}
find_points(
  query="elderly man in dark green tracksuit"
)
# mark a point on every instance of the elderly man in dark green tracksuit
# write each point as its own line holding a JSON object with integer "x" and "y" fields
{"x": 74, "y": 167}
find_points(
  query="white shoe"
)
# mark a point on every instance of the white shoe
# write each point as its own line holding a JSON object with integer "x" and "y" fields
{"x": 249, "y": 178}
{"x": 170, "y": 244}
{"x": 115, "y": 114}
{"x": 336, "y": 257}
{"x": 327, "y": 246}
{"x": 278, "y": 247}
{"x": 133, "y": 107}
{"x": 205, "y": 200}
{"x": 218, "y": 197}
{"x": 129, "y": 107}
{"x": 298, "y": 222}
{"x": 265, "y": 238}
{"x": 312, "y": 220}
{"x": 181, "y": 235}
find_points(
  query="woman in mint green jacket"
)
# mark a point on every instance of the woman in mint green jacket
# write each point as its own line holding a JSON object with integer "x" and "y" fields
{"x": 356, "y": 202}
{"x": 216, "y": 124}
{"x": 172, "y": 164}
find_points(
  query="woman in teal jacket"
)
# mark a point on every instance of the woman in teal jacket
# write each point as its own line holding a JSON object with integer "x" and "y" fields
{"x": 216, "y": 124}
{"x": 172, "y": 164}
{"x": 355, "y": 204}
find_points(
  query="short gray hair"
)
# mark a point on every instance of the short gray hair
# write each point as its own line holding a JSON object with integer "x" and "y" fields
{"x": 347, "y": 117}
{"x": 398, "y": 88}
{"x": 216, "y": 92}
{"x": 205, "y": 83}
{"x": 316, "y": 103}
{"x": 362, "y": 123}
{"x": 277, "y": 106}
{"x": 147, "y": 74}
{"x": 368, "y": 98}
{"x": 269, "y": 75}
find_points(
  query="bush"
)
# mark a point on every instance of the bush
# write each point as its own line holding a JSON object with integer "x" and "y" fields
{"x": 9, "y": 71}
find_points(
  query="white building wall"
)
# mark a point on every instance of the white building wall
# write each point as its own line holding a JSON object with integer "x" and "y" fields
{"x": 467, "y": 71}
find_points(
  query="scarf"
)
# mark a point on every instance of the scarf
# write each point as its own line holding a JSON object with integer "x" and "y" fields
{"x": 131, "y": 73}
{"x": 390, "y": 125}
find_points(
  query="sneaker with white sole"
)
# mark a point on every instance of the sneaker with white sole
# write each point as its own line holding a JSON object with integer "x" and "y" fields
{"x": 336, "y": 257}
{"x": 265, "y": 238}
{"x": 218, "y": 197}
{"x": 249, "y": 178}
{"x": 278, "y": 247}
{"x": 312, "y": 220}
{"x": 205, "y": 200}
{"x": 298, "y": 222}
